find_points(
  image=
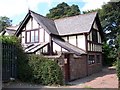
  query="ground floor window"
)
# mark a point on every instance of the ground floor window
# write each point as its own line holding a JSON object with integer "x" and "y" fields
{"x": 98, "y": 58}
{"x": 91, "y": 59}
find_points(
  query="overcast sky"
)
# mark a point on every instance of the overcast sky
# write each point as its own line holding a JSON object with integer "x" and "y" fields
{"x": 17, "y": 9}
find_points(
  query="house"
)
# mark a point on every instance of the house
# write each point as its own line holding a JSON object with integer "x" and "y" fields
{"x": 9, "y": 30}
{"x": 77, "y": 40}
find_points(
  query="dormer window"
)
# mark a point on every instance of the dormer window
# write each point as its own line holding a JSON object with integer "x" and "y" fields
{"x": 32, "y": 36}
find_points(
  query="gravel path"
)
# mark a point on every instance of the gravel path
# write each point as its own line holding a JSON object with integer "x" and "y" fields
{"x": 107, "y": 78}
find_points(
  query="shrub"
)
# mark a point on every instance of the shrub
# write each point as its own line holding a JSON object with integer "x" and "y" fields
{"x": 10, "y": 40}
{"x": 24, "y": 70}
{"x": 118, "y": 69}
{"x": 45, "y": 71}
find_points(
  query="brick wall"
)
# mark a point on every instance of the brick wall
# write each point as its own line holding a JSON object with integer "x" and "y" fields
{"x": 78, "y": 67}
{"x": 96, "y": 67}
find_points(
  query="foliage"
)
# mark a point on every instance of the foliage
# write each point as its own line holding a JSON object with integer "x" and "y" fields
{"x": 63, "y": 10}
{"x": 4, "y": 22}
{"x": 45, "y": 71}
{"x": 110, "y": 17}
{"x": 108, "y": 55}
{"x": 9, "y": 40}
{"x": 24, "y": 70}
{"x": 118, "y": 56}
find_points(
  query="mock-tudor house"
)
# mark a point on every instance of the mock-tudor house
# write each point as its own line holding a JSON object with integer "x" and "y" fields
{"x": 75, "y": 41}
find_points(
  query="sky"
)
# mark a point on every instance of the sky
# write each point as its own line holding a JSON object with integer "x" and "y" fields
{"x": 17, "y": 9}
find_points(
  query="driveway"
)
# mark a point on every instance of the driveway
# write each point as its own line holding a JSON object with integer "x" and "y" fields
{"x": 107, "y": 78}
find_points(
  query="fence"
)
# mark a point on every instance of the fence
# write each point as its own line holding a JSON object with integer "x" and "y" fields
{"x": 9, "y": 62}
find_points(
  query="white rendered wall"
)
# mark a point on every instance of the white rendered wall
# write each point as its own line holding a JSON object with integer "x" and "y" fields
{"x": 81, "y": 42}
{"x": 41, "y": 35}
{"x": 47, "y": 37}
{"x": 95, "y": 26}
{"x": 29, "y": 25}
{"x": 72, "y": 40}
{"x": 35, "y": 24}
{"x": 56, "y": 47}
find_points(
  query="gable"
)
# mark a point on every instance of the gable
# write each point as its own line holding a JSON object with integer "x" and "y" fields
{"x": 94, "y": 34}
{"x": 46, "y": 23}
{"x": 31, "y": 24}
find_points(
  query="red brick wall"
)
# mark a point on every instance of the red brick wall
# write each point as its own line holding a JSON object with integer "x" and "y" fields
{"x": 77, "y": 67}
{"x": 96, "y": 67}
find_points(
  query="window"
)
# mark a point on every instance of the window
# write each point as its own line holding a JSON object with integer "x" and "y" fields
{"x": 98, "y": 58}
{"x": 94, "y": 36}
{"x": 91, "y": 59}
{"x": 28, "y": 36}
{"x": 32, "y": 36}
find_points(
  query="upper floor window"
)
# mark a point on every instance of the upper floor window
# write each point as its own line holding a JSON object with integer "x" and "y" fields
{"x": 94, "y": 36}
{"x": 32, "y": 36}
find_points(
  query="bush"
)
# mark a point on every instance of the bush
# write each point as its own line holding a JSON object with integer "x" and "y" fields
{"x": 24, "y": 70}
{"x": 45, "y": 71}
{"x": 10, "y": 40}
{"x": 118, "y": 69}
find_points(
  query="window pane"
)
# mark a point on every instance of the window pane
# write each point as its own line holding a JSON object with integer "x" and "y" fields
{"x": 36, "y": 36}
{"x": 91, "y": 59}
{"x": 32, "y": 36}
{"x": 94, "y": 36}
{"x": 98, "y": 58}
{"x": 28, "y": 37}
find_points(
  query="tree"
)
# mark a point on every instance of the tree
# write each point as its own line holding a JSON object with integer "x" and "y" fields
{"x": 63, "y": 10}
{"x": 110, "y": 18}
{"x": 4, "y": 22}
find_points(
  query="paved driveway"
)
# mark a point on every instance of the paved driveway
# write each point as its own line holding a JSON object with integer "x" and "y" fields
{"x": 105, "y": 79}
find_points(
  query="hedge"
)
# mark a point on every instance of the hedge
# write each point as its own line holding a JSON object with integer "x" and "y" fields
{"x": 45, "y": 71}
{"x": 34, "y": 68}
{"x": 118, "y": 69}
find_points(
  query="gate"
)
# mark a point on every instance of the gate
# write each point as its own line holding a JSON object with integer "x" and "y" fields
{"x": 9, "y": 62}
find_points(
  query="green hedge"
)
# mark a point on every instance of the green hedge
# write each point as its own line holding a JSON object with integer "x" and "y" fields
{"x": 34, "y": 68}
{"x": 24, "y": 70}
{"x": 45, "y": 71}
{"x": 10, "y": 40}
{"x": 37, "y": 69}
{"x": 118, "y": 69}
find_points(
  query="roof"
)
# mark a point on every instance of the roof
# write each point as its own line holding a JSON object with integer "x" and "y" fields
{"x": 34, "y": 48}
{"x": 75, "y": 24}
{"x": 10, "y": 30}
{"x": 48, "y": 24}
{"x": 65, "y": 26}
{"x": 68, "y": 46}
{"x": 13, "y": 27}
